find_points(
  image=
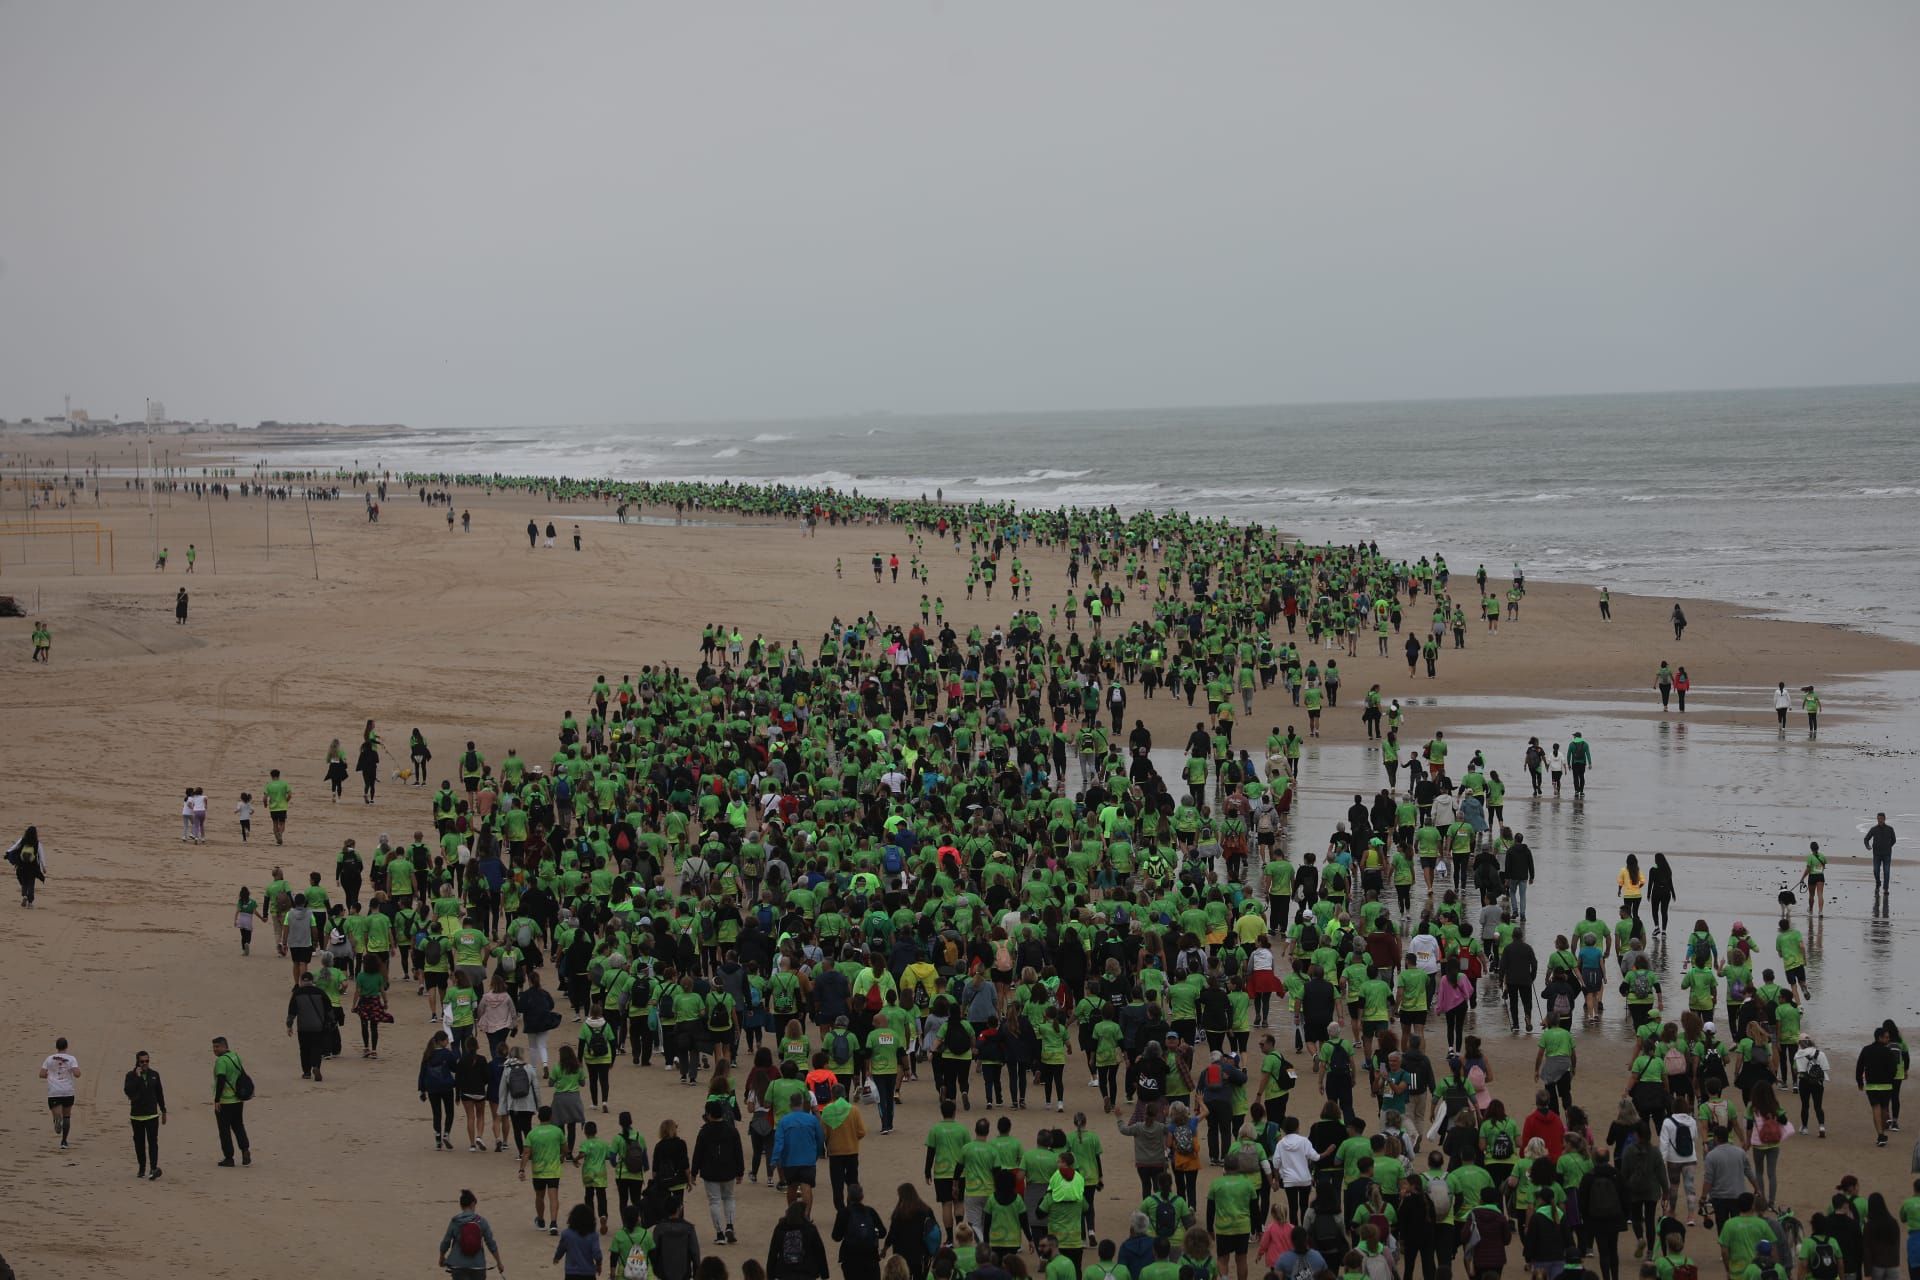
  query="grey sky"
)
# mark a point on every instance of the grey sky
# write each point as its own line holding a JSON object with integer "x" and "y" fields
{"x": 467, "y": 213}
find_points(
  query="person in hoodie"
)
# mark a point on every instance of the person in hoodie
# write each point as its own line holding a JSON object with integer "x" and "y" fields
{"x": 845, "y": 1129}
{"x": 517, "y": 1095}
{"x": 676, "y": 1245}
{"x": 719, "y": 1161}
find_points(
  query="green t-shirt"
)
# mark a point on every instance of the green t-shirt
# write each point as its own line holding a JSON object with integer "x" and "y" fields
{"x": 1741, "y": 1234}
{"x": 1231, "y": 1199}
{"x": 946, "y": 1140}
{"x": 977, "y": 1166}
{"x": 595, "y": 1155}
{"x": 1556, "y": 1042}
{"x": 546, "y": 1149}
{"x": 277, "y": 793}
{"x": 883, "y": 1052}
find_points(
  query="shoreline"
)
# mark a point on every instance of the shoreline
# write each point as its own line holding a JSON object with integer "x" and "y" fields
{"x": 220, "y": 452}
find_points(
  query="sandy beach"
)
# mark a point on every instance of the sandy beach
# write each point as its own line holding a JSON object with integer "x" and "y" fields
{"x": 474, "y": 635}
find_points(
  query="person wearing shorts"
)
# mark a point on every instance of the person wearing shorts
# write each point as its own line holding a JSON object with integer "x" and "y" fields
{"x": 60, "y": 1071}
{"x": 543, "y": 1153}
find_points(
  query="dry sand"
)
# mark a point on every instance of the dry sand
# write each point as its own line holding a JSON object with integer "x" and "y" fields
{"x": 473, "y": 635}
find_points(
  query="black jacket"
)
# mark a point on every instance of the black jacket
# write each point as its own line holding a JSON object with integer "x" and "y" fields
{"x": 146, "y": 1096}
{"x": 717, "y": 1154}
{"x": 1519, "y": 862}
{"x": 309, "y": 1007}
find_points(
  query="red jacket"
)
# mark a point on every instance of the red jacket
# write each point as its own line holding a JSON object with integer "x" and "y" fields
{"x": 1548, "y": 1127}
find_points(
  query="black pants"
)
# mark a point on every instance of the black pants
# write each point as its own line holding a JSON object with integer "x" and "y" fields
{"x": 1813, "y": 1097}
{"x": 1456, "y": 1027}
{"x": 842, "y": 1170}
{"x": 313, "y": 1049}
{"x": 1579, "y": 778}
{"x": 1606, "y": 1245}
{"x": 1519, "y": 1000}
{"x": 231, "y": 1117}
{"x": 443, "y": 1111}
{"x": 1661, "y": 908}
{"x": 599, "y": 1082}
{"x": 146, "y": 1143}
{"x": 1219, "y": 1129}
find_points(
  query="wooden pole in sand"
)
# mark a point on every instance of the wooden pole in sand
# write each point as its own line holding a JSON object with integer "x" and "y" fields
{"x": 311, "y": 544}
{"x": 213, "y": 552}
{"x": 267, "y": 494}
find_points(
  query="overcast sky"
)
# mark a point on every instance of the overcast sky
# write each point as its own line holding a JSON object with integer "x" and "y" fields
{"x": 469, "y": 213}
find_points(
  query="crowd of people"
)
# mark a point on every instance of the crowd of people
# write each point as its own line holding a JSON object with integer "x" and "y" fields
{"x": 916, "y": 869}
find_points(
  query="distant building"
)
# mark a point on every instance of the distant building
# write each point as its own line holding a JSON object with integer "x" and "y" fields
{"x": 156, "y": 413}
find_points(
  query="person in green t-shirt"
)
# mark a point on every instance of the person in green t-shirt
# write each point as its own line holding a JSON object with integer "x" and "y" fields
{"x": 1230, "y": 1216}
{"x": 544, "y": 1153}
{"x": 278, "y": 794}
{"x": 945, "y": 1143}
{"x": 593, "y": 1157}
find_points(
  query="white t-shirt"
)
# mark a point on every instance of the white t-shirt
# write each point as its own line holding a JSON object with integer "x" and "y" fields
{"x": 60, "y": 1069}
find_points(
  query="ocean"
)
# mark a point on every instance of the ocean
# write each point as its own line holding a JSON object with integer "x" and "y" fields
{"x": 1800, "y": 502}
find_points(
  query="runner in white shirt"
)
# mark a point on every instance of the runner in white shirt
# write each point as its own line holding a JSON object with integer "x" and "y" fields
{"x": 60, "y": 1071}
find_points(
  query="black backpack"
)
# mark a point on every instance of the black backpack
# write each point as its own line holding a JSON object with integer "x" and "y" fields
{"x": 1166, "y": 1218}
{"x": 1824, "y": 1261}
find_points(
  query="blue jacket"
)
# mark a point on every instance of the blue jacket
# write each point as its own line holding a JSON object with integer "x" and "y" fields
{"x": 798, "y": 1139}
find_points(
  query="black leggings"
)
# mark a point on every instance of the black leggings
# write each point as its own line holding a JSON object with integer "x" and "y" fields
{"x": 1645, "y": 1218}
{"x": 1457, "y": 1027}
{"x": 1053, "y": 1079}
{"x": 1606, "y": 1246}
{"x": 1661, "y": 908}
{"x": 599, "y": 1082}
{"x": 1109, "y": 1085}
{"x": 369, "y": 1034}
{"x": 443, "y": 1111}
{"x": 1814, "y": 1097}
{"x": 522, "y": 1122}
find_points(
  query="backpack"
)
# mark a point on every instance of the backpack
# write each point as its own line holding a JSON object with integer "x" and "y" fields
{"x": 1605, "y": 1200}
{"x": 891, "y": 861}
{"x": 1676, "y": 1062}
{"x": 1440, "y": 1196}
{"x": 842, "y": 1046}
{"x": 1166, "y": 1218}
{"x": 793, "y": 1249}
{"x": 1214, "y": 1077}
{"x": 472, "y": 1240}
{"x": 519, "y": 1081}
{"x": 1824, "y": 1261}
{"x": 1815, "y": 1074}
{"x": 1641, "y": 984}
{"x": 1713, "y": 1066}
{"x": 509, "y": 962}
{"x": 931, "y": 1237}
{"x": 1182, "y": 1136}
{"x": 863, "y": 1230}
{"x": 1002, "y": 958}
{"x": 636, "y": 1267}
{"x": 1686, "y": 1271}
{"x": 1325, "y": 1235}
{"x": 1683, "y": 1140}
{"x": 523, "y": 936}
{"x": 1769, "y": 1132}
{"x": 1501, "y": 1148}
{"x": 823, "y": 1092}
{"x": 634, "y": 1158}
{"x": 600, "y": 1040}
{"x": 436, "y": 950}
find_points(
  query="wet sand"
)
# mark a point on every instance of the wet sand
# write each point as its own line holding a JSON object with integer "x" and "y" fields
{"x": 472, "y": 635}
